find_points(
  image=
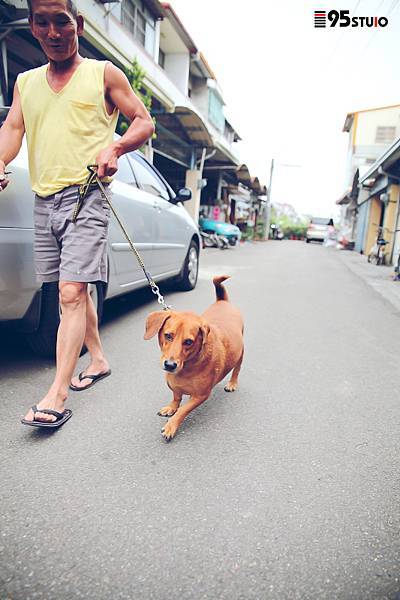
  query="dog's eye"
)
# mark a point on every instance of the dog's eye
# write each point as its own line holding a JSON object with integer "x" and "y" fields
{"x": 188, "y": 342}
{"x": 168, "y": 336}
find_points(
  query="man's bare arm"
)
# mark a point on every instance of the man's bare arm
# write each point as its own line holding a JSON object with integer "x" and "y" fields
{"x": 11, "y": 134}
{"x": 121, "y": 95}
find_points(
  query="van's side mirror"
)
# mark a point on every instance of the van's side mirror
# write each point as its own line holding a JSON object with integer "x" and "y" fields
{"x": 183, "y": 195}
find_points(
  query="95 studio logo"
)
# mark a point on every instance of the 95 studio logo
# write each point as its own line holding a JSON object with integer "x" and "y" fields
{"x": 342, "y": 18}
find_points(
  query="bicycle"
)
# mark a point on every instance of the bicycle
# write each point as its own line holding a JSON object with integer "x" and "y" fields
{"x": 377, "y": 254}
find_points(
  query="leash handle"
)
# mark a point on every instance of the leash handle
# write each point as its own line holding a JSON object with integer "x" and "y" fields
{"x": 83, "y": 190}
{"x": 93, "y": 177}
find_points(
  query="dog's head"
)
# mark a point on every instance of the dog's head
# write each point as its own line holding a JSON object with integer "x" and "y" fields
{"x": 181, "y": 336}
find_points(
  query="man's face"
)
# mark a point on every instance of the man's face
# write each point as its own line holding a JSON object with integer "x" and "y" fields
{"x": 55, "y": 28}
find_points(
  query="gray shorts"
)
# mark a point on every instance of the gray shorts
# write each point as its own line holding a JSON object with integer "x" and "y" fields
{"x": 66, "y": 250}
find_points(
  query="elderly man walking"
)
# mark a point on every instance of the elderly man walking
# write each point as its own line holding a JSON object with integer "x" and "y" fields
{"x": 68, "y": 109}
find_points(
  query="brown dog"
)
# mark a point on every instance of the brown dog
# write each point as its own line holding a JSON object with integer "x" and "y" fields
{"x": 197, "y": 352}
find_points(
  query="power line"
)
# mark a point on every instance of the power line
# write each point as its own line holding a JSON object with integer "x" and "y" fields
{"x": 392, "y": 7}
{"x": 341, "y": 35}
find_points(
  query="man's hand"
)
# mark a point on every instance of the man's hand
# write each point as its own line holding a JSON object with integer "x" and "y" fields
{"x": 11, "y": 134}
{"x": 3, "y": 178}
{"x": 107, "y": 162}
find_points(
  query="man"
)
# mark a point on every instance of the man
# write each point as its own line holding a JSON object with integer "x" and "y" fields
{"x": 68, "y": 110}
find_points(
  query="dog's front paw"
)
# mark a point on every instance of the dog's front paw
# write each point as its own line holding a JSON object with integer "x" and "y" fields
{"x": 167, "y": 411}
{"x": 169, "y": 430}
{"x": 230, "y": 387}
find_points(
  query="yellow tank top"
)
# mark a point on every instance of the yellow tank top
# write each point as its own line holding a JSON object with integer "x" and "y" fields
{"x": 66, "y": 130}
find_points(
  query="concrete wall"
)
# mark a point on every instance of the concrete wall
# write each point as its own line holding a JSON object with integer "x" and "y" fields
{"x": 369, "y": 121}
{"x": 391, "y": 224}
{"x": 362, "y": 148}
{"x": 374, "y": 218}
{"x": 193, "y": 206}
{"x": 200, "y": 95}
{"x": 362, "y": 226}
{"x": 177, "y": 68}
{"x": 396, "y": 242}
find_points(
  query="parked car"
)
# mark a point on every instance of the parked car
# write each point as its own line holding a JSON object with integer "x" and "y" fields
{"x": 231, "y": 232}
{"x": 318, "y": 229}
{"x": 154, "y": 216}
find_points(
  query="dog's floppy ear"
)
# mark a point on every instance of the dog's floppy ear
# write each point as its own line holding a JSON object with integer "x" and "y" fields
{"x": 154, "y": 322}
{"x": 205, "y": 330}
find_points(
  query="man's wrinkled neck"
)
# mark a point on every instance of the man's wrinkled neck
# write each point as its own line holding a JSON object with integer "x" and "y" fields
{"x": 60, "y": 67}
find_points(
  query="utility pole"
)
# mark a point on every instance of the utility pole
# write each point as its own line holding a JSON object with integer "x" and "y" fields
{"x": 267, "y": 205}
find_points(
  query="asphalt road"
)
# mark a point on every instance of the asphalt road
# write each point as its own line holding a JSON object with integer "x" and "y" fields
{"x": 286, "y": 489}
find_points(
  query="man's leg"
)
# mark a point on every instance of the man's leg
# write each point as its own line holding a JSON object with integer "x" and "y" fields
{"x": 98, "y": 363}
{"x": 70, "y": 337}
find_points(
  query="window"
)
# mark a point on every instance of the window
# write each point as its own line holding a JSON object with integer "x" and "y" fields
{"x": 319, "y": 221}
{"x": 215, "y": 110}
{"x": 385, "y": 135}
{"x": 147, "y": 178}
{"x": 128, "y": 12}
{"x": 140, "y": 22}
{"x": 124, "y": 172}
{"x": 140, "y": 27}
{"x": 161, "y": 58}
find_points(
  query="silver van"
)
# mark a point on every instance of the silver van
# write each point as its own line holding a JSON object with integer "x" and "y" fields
{"x": 154, "y": 216}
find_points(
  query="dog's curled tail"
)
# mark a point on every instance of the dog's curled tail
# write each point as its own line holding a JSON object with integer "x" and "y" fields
{"x": 221, "y": 292}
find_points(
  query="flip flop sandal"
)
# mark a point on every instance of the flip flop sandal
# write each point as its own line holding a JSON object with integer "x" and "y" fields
{"x": 61, "y": 418}
{"x": 94, "y": 378}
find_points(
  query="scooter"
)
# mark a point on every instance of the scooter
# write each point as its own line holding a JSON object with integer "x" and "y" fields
{"x": 214, "y": 240}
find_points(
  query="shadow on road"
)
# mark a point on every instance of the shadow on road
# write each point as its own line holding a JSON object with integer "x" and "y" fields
{"x": 14, "y": 347}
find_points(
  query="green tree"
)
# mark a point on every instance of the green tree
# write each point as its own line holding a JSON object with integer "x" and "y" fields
{"x": 135, "y": 74}
{"x": 288, "y": 225}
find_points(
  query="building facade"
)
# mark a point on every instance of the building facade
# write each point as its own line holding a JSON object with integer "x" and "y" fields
{"x": 194, "y": 145}
{"x": 370, "y": 132}
{"x": 380, "y": 195}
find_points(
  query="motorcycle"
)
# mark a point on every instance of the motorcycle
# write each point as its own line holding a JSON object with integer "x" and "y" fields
{"x": 214, "y": 240}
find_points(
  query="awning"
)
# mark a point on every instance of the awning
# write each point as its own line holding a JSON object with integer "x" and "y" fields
{"x": 186, "y": 123}
{"x": 257, "y": 187}
{"x": 345, "y": 199}
{"x": 351, "y": 193}
{"x": 243, "y": 175}
{"x": 194, "y": 126}
{"x": 222, "y": 159}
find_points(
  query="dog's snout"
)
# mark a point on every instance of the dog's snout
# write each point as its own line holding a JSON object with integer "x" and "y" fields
{"x": 170, "y": 365}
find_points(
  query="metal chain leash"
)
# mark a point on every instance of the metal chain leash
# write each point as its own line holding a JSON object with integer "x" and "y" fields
{"x": 94, "y": 179}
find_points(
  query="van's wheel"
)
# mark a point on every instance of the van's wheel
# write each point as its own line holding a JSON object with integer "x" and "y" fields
{"x": 43, "y": 340}
{"x": 190, "y": 269}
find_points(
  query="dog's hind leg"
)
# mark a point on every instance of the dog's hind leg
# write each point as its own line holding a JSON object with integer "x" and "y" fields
{"x": 232, "y": 384}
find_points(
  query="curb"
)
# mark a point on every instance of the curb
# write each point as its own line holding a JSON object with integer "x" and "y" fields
{"x": 380, "y": 279}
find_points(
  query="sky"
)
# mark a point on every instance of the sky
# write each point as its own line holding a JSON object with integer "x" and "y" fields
{"x": 288, "y": 86}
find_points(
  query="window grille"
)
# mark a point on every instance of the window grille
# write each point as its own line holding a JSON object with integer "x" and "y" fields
{"x": 385, "y": 135}
{"x": 137, "y": 19}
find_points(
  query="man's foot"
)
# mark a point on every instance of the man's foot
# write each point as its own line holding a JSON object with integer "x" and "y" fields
{"x": 48, "y": 404}
{"x": 95, "y": 370}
